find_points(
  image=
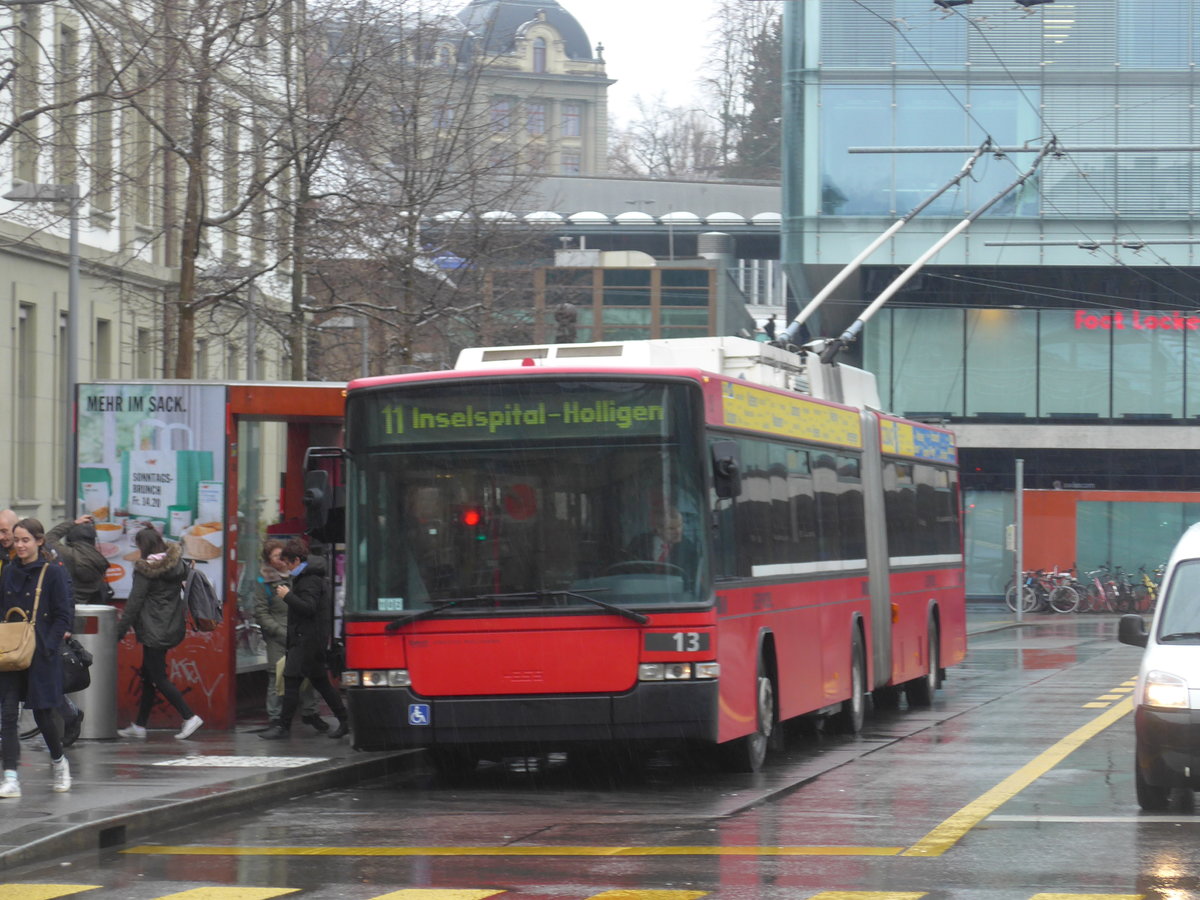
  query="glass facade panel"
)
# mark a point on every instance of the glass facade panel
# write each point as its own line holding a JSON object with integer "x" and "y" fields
{"x": 1148, "y": 366}
{"x": 927, "y": 353}
{"x": 855, "y": 116}
{"x": 877, "y": 354}
{"x": 989, "y": 567}
{"x": 1154, "y": 41}
{"x": 696, "y": 318}
{"x": 626, "y": 287}
{"x": 926, "y": 114}
{"x": 1129, "y": 534}
{"x": 1001, "y": 361}
{"x": 1074, "y": 361}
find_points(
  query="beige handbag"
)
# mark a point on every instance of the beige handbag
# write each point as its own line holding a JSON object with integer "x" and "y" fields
{"x": 17, "y": 637}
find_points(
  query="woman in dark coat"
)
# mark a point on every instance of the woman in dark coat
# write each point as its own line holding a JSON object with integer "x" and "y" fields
{"x": 40, "y": 686}
{"x": 155, "y": 612}
{"x": 310, "y": 614}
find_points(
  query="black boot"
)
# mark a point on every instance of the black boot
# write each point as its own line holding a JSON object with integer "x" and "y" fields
{"x": 276, "y": 733}
{"x": 316, "y": 722}
{"x": 342, "y": 730}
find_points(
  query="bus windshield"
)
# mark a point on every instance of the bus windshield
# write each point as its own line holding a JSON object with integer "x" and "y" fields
{"x": 525, "y": 493}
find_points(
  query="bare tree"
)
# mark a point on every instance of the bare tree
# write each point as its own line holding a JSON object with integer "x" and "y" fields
{"x": 666, "y": 142}
{"x": 418, "y": 216}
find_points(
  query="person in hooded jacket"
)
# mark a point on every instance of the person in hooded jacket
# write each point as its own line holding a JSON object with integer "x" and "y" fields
{"x": 310, "y": 616}
{"x": 75, "y": 545}
{"x": 155, "y": 612}
{"x": 30, "y": 578}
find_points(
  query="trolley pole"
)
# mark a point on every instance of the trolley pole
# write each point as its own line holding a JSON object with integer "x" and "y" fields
{"x": 1019, "y": 502}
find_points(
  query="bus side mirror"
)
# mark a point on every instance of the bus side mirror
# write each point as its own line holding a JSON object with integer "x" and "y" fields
{"x": 727, "y": 469}
{"x": 317, "y": 500}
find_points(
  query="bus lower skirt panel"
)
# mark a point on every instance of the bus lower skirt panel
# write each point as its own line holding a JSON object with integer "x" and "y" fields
{"x": 393, "y": 718}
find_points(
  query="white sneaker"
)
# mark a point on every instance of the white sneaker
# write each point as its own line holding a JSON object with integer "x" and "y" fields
{"x": 62, "y": 774}
{"x": 134, "y": 731}
{"x": 189, "y": 728}
{"x": 10, "y": 786}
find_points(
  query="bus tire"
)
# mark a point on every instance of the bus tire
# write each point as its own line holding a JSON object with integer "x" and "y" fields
{"x": 849, "y": 719}
{"x": 747, "y": 753}
{"x": 920, "y": 691}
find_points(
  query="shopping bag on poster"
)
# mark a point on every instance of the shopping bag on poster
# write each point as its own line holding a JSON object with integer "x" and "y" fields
{"x": 158, "y": 474}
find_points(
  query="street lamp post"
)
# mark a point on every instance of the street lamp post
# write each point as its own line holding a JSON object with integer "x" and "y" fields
{"x": 69, "y": 194}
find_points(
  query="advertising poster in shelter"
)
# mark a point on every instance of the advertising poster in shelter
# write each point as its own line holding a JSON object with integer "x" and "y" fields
{"x": 153, "y": 455}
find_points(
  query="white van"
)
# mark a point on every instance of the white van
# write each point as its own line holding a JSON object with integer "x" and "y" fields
{"x": 1167, "y": 717}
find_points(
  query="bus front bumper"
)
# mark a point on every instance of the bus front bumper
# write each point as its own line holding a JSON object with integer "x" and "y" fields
{"x": 653, "y": 712}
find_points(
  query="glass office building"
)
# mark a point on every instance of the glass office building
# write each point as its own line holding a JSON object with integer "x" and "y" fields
{"x": 1063, "y": 326}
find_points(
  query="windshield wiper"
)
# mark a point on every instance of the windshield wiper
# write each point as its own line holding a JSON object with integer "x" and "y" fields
{"x": 424, "y": 613}
{"x": 1181, "y": 636}
{"x": 573, "y": 595}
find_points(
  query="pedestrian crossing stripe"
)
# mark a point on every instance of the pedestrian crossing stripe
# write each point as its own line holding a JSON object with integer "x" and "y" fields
{"x": 43, "y": 891}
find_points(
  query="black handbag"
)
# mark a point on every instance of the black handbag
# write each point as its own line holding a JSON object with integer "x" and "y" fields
{"x": 76, "y": 662}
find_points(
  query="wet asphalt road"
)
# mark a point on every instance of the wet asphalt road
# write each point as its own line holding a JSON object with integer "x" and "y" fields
{"x": 1017, "y": 783}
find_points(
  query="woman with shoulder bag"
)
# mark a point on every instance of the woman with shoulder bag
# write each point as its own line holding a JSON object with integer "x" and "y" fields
{"x": 155, "y": 612}
{"x": 32, "y": 583}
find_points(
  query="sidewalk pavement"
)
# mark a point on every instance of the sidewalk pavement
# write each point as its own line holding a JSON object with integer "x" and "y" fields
{"x": 126, "y": 790}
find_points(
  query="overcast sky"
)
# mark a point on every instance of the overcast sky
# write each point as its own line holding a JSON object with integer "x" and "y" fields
{"x": 651, "y": 47}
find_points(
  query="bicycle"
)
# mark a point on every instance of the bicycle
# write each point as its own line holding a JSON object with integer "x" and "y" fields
{"x": 1124, "y": 601}
{"x": 1100, "y": 594}
{"x": 1063, "y": 597}
{"x": 1145, "y": 593}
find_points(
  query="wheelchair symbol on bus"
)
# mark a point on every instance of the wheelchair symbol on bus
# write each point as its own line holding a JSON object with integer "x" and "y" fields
{"x": 418, "y": 714}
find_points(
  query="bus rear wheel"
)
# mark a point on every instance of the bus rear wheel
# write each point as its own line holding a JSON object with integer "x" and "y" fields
{"x": 747, "y": 754}
{"x": 850, "y": 718}
{"x": 920, "y": 691}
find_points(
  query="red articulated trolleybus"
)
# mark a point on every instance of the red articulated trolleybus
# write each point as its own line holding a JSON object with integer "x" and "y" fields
{"x": 658, "y": 542}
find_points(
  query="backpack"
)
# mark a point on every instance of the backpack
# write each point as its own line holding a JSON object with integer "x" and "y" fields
{"x": 201, "y": 599}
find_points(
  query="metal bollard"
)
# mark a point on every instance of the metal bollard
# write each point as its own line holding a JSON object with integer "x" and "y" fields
{"x": 96, "y": 629}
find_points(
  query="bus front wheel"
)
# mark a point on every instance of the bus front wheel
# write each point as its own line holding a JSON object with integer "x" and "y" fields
{"x": 746, "y": 754}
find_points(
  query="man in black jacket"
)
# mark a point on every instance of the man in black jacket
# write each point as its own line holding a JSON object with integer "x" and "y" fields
{"x": 310, "y": 617}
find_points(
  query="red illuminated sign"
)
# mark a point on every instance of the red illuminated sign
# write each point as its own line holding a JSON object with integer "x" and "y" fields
{"x": 1134, "y": 320}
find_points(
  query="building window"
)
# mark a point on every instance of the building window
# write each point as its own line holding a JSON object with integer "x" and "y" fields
{"x": 535, "y": 118}
{"x": 539, "y": 55}
{"x": 145, "y": 351}
{"x": 443, "y": 116}
{"x": 231, "y": 362}
{"x": 571, "y": 164}
{"x": 25, "y": 434}
{"x": 572, "y": 120}
{"x": 202, "y": 358}
{"x": 103, "y": 364}
{"x": 501, "y": 114}
{"x": 66, "y": 88}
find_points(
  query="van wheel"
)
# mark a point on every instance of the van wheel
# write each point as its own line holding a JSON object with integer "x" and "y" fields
{"x": 1150, "y": 797}
{"x": 849, "y": 719}
{"x": 747, "y": 754}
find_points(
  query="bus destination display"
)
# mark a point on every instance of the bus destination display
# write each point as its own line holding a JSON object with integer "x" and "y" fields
{"x": 530, "y": 413}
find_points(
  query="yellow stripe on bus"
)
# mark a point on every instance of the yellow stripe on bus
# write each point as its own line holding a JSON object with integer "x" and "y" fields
{"x": 156, "y": 850}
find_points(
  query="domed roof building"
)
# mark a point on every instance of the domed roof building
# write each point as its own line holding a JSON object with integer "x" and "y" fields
{"x": 547, "y": 85}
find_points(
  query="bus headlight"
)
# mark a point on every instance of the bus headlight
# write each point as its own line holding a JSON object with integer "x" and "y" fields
{"x": 677, "y": 671}
{"x": 378, "y": 678}
{"x": 1166, "y": 690}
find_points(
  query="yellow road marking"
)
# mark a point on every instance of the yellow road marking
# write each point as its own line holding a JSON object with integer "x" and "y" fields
{"x": 43, "y": 891}
{"x": 436, "y": 894}
{"x": 869, "y": 895}
{"x": 1087, "y": 897}
{"x": 1097, "y": 705}
{"x": 1109, "y": 696}
{"x": 229, "y": 893}
{"x": 951, "y": 831}
{"x": 512, "y": 851}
